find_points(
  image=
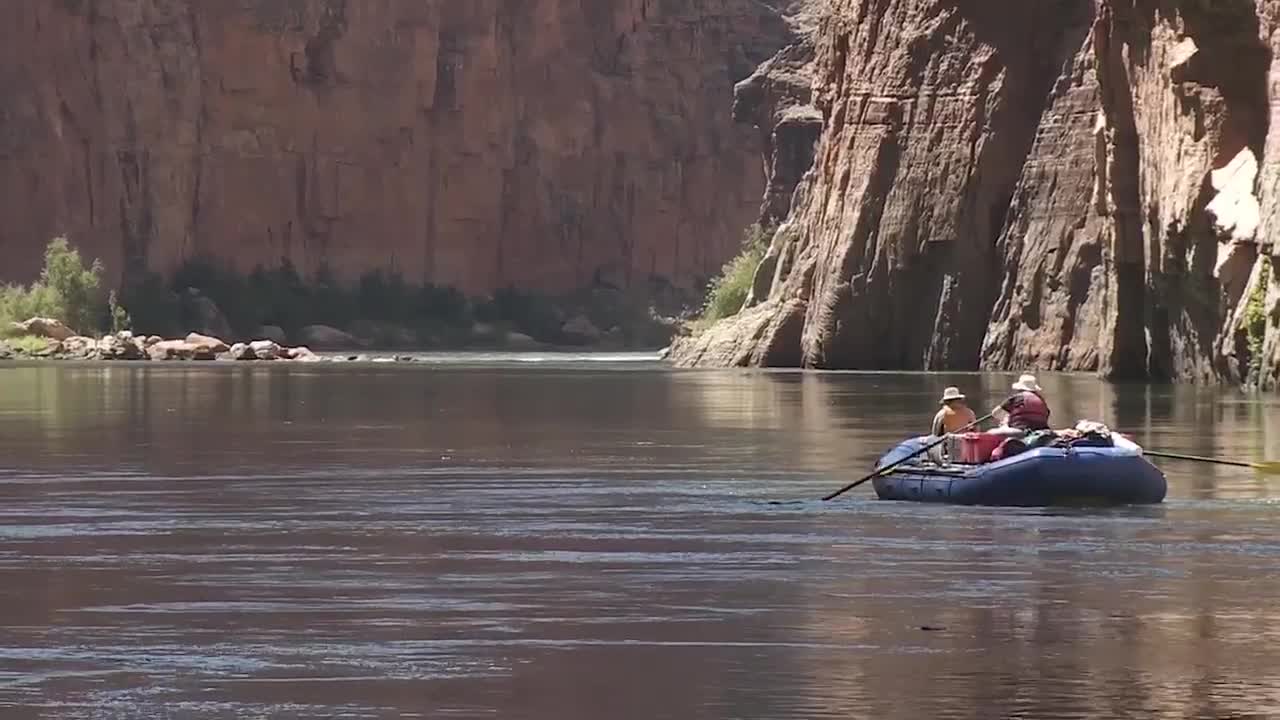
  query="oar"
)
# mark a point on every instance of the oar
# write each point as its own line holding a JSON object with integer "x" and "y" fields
{"x": 1270, "y": 466}
{"x": 917, "y": 453}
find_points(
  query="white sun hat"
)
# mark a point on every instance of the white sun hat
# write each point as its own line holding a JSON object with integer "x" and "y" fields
{"x": 1027, "y": 383}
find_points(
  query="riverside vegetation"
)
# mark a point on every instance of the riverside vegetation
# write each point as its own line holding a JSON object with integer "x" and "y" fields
{"x": 728, "y": 291}
{"x": 63, "y": 313}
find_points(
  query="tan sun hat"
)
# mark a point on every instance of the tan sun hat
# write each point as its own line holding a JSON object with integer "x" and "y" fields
{"x": 951, "y": 393}
{"x": 1027, "y": 383}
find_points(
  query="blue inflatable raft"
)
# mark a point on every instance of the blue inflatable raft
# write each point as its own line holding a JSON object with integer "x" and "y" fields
{"x": 1115, "y": 475}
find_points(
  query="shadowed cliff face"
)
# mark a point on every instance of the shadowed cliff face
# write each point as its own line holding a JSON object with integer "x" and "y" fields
{"x": 1074, "y": 185}
{"x": 541, "y": 143}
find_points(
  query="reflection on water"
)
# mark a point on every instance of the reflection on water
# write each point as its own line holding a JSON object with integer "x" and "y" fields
{"x": 577, "y": 539}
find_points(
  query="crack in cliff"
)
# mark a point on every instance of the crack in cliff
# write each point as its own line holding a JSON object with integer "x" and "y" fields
{"x": 1125, "y": 343}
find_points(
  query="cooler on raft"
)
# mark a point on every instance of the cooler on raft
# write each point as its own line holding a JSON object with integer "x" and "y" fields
{"x": 975, "y": 448}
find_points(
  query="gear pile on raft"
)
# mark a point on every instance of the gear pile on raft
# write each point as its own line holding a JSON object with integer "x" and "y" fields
{"x": 1023, "y": 462}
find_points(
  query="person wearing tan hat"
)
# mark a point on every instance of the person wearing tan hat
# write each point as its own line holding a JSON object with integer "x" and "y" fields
{"x": 955, "y": 414}
{"x": 1026, "y": 409}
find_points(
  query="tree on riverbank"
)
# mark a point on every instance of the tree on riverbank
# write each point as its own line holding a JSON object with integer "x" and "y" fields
{"x": 66, "y": 291}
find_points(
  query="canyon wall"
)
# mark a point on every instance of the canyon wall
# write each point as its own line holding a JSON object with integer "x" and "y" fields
{"x": 1062, "y": 185}
{"x": 546, "y": 144}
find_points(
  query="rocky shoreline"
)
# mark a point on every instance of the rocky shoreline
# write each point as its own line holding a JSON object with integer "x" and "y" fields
{"x": 47, "y": 339}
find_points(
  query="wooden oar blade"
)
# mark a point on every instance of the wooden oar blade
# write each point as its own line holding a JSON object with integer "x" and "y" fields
{"x": 1271, "y": 467}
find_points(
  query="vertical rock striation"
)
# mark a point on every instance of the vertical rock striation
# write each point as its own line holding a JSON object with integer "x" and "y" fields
{"x": 1066, "y": 185}
{"x": 541, "y": 143}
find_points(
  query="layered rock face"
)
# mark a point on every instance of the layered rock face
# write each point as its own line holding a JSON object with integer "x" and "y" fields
{"x": 1067, "y": 185}
{"x": 543, "y": 144}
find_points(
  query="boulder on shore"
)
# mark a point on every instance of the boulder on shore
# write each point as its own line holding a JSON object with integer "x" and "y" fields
{"x": 241, "y": 351}
{"x": 179, "y": 350}
{"x": 265, "y": 350}
{"x": 326, "y": 337}
{"x": 212, "y": 344}
{"x": 121, "y": 346}
{"x": 45, "y": 328}
{"x": 302, "y": 353}
{"x": 80, "y": 346}
{"x": 54, "y": 348}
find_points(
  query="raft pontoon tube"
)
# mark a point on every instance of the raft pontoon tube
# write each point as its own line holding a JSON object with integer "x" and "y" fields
{"x": 1116, "y": 475}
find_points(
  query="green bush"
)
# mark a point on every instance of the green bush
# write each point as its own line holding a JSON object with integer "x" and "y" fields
{"x": 728, "y": 290}
{"x": 1255, "y": 319}
{"x": 66, "y": 291}
{"x": 119, "y": 316}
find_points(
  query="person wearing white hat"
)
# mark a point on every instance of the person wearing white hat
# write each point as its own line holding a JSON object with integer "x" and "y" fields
{"x": 954, "y": 415}
{"x": 1026, "y": 409}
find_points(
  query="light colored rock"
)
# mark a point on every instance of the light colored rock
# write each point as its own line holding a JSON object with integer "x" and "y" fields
{"x": 265, "y": 350}
{"x": 163, "y": 350}
{"x": 301, "y": 354}
{"x": 180, "y": 350}
{"x": 212, "y": 344}
{"x": 79, "y": 346}
{"x": 151, "y": 340}
{"x": 112, "y": 347}
{"x": 241, "y": 351}
{"x": 326, "y": 337}
{"x": 46, "y": 328}
{"x": 1235, "y": 209}
{"x": 1181, "y": 54}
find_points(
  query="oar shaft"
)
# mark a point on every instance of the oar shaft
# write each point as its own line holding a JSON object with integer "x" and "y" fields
{"x": 1197, "y": 458}
{"x": 896, "y": 463}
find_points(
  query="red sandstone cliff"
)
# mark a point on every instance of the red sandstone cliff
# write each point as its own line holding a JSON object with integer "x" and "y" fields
{"x": 1075, "y": 185}
{"x": 476, "y": 143}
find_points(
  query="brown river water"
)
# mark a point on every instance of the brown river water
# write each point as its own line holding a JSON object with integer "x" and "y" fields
{"x": 572, "y": 538}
